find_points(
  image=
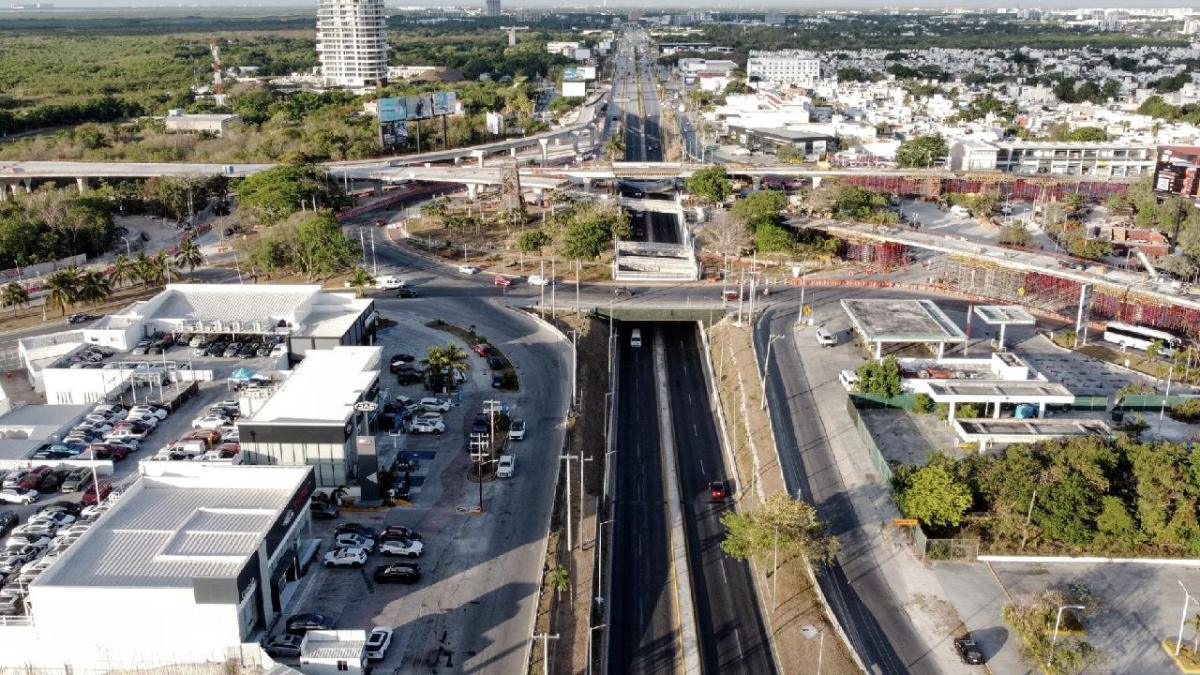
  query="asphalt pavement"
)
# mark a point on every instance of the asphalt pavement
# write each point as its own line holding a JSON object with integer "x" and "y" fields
{"x": 733, "y": 636}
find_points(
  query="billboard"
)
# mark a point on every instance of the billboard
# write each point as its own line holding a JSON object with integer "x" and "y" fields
{"x": 574, "y": 89}
{"x": 1177, "y": 170}
{"x": 393, "y": 109}
{"x": 579, "y": 74}
{"x": 495, "y": 123}
{"x": 443, "y": 102}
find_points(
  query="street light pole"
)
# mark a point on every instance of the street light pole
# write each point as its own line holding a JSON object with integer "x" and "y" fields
{"x": 128, "y": 252}
{"x": 592, "y": 631}
{"x": 1186, "y": 598}
{"x": 570, "y": 538}
{"x": 766, "y": 365}
{"x": 1058, "y": 620}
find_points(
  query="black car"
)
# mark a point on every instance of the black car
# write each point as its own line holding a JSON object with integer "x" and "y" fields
{"x": 495, "y": 362}
{"x": 968, "y": 650}
{"x": 355, "y": 528}
{"x": 8, "y": 520}
{"x": 263, "y": 350}
{"x": 247, "y": 350}
{"x": 216, "y": 349}
{"x": 406, "y": 293}
{"x": 497, "y": 381}
{"x": 299, "y": 624}
{"x": 72, "y": 508}
{"x": 394, "y": 532}
{"x": 324, "y": 510}
{"x": 283, "y": 645}
{"x": 408, "y": 376}
{"x": 398, "y": 573}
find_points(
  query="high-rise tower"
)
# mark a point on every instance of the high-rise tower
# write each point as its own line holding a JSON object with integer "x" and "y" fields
{"x": 492, "y": 7}
{"x": 352, "y": 42}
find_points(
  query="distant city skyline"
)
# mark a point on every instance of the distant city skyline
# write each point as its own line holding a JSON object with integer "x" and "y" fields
{"x": 666, "y": 5}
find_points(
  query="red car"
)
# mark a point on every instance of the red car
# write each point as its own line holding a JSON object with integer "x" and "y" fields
{"x": 483, "y": 349}
{"x": 731, "y": 295}
{"x": 228, "y": 450}
{"x": 34, "y": 478}
{"x": 89, "y": 495}
{"x": 502, "y": 281}
{"x": 113, "y": 451}
{"x": 718, "y": 491}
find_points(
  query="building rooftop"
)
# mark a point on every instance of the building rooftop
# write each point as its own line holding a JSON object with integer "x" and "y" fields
{"x": 167, "y": 530}
{"x": 230, "y": 304}
{"x": 1013, "y": 315}
{"x": 1007, "y": 391}
{"x": 30, "y": 416}
{"x": 333, "y": 644}
{"x": 1036, "y": 427}
{"x": 323, "y": 388}
{"x": 902, "y": 321}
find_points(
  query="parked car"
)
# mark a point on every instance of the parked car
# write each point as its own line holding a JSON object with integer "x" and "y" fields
{"x": 377, "y": 644}
{"x": 497, "y": 381}
{"x": 364, "y": 531}
{"x": 232, "y": 350}
{"x": 55, "y": 519}
{"x": 426, "y": 426}
{"x": 94, "y": 494}
{"x": 8, "y": 520}
{"x": 506, "y": 465}
{"x": 718, "y": 490}
{"x": 353, "y": 540}
{"x": 408, "y": 375}
{"x": 345, "y": 557}
{"x": 406, "y": 293}
{"x": 299, "y": 624}
{"x": 468, "y": 269}
{"x": 78, "y": 480}
{"x": 404, "y": 547}
{"x": 826, "y": 338}
{"x": 16, "y": 495}
{"x": 392, "y": 532}
{"x": 398, "y": 573}
{"x": 516, "y": 431}
{"x": 968, "y": 650}
{"x": 436, "y": 404}
{"x": 210, "y": 422}
{"x": 483, "y": 349}
{"x": 283, "y": 645}
{"x": 495, "y": 362}
{"x": 141, "y": 347}
{"x": 63, "y": 506}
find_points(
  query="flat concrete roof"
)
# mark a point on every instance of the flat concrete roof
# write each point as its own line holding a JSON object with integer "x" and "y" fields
{"x": 1002, "y": 391}
{"x": 42, "y": 416}
{"x": 902, "y": 321}
{"x": 1013, "y": 315}
{"x": 323, "y": 389}
{"x": 1043, "y": 426}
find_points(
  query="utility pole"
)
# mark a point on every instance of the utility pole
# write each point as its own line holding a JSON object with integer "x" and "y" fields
{"x": 545, "y": 638}
{"x": 553, "y": 290}
{"x": 479, "y": 443}
{"x": 766, "y": 366}
{"x": 542, "y": 290}
{"x": 374, "y": 262}
{"x": 577, "y": 271}
{"x": 582, "y": 463}
{"x": 570, "y": 538}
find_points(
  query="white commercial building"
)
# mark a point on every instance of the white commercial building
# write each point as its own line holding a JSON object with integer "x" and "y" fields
{"x": 352, "y": 42}
{"x": 1100, "y": 159}
{"x": 783, "y": 68}
{"x": 190, "y": 565}
{"x": 216, "y": 124}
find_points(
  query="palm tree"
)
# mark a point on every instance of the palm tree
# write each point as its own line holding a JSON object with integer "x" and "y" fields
{"x": 559, "y": 579}
{"x": 143, "y": 268}
{"x": 614, "y": 147}
{"x": 122, "y": 270}
{"x": 64, "y": 288}
{"x": 189, "y": 255}
{"x": 14, "y": 294}
{"x": 156, "y": 269}
{"x": 359, "y": 280}
{"x": 94, "y": 287}
{"x": 455, "y": 359}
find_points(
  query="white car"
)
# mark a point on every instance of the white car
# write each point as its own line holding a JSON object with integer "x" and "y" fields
{"x": 345, "y": 557}
{"x": 406, "y": 547}
{"x": 377, "y": 644}
{"x": 468, "y": 269}
{"x": 504, "y": 469}
{"x": 427, "y": 427}
{"x": 539, "y": 280}
{"x": 35, "y": 540}
{"x": 209, "y": 422}
{"x": 436, "y": 404}
{"x": 18, "y": 495}
{"x": 352, "y": 540}
{"x": 826, "y": 338}
{"x": 145, "y": 411}
{"x": 52, "y": 518}
{"x": 516, "y": 432}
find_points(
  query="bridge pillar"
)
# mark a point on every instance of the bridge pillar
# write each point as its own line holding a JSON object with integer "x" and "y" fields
{"x": 377, "y": 188}
{"x": 512, "y": 152}
{"x": 543, "y": 142}
{"x": 28, "y": 183}
{"x": 756, "y": 182}
{"x": 472, "y": 191}
{"x": 575, "y": 141}
{"x": 816, "y": 182}
{"x": 457, "y": 161}
{"x": 82, "y": 184}
{"x": 587, "y": 183}
{"x": 539, "y": 196}
{"x": 3, "y": 191}
{"x": 478, "y": 154}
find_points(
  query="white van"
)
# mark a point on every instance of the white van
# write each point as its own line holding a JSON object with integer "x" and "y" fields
{"x": 849, "y": 380}
{"x": 826, "y": 338}
{"x": 960, "y": 210}
{"x": 635, "y": 337}
{"x": 389, "y": 282}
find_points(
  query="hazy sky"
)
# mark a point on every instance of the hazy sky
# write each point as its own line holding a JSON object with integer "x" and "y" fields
{"x": 640, "y": 4}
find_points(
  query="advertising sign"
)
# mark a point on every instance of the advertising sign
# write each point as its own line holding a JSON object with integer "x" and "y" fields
{"x": 393, "y": 109}
{"x": 495, "y": 123}
{"x": 443, "y": 102}
{"x": 1177, "y": 170}
{"x": 574, "y": 89}
{"x": 572, "y": 74}
{"x": 419, "y": 107}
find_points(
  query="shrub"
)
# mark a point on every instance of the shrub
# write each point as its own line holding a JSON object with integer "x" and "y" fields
{"x": 923, "y": 404}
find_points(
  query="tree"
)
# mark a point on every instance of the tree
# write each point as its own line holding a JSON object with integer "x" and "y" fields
{"x": 772, "y": 238}
{"x": 558, "y": 579}
{"x": 441, "y": 363}
{"x": 790, "y": 524}
{"x": 933, "y": 493}
{"x": 710, "y": 184}
{"x": 759, "y": 207}
{"x": 189, "y": 255}
{"x": 360, "y": 279}
{"x": 725, "y": 235}
{"x": 14, "y": 294}
{"x": 922, "y": 151}
{"x": 880, "y": 377}
{"x": 590, "y": 230}
{"x": 122, "y": 270}
{"x": 1016, "y": 234}
{"x": 274, "y": 194}
{"x": 532, "y": 241}
{"x": 983, "y": 205}
{"x": 94, "y": 287}
{"x": 64, "y": 288}
{"x": 320, "y": 249}
{"x": 614, "y": 147}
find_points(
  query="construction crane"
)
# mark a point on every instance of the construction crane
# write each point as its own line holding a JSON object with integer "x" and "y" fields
{"x": 218, "y": 82}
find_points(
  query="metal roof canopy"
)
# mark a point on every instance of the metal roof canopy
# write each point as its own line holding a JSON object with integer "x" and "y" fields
{"x": 1002, "y": 315}
{"x": 1011, "y": 430}
{"x": 895, "y": 320}
{"x": 1001, "y": 391}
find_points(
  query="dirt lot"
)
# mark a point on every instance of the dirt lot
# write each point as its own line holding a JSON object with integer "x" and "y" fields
{"x": 757, "y": 475}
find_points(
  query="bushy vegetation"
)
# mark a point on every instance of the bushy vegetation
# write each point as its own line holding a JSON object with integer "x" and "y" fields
{"x": 922, "y": 151}
{"x": 710, "y": 184}
{"x": 272, "y": 195}
{"x": 50, "y": 224}
{"x": 1089, "y": 495}
{"x": 761, "y": 213}
{"x": 1034, "y": 622}
{"x": 880, "y": 377}
{"x": 307, "y": 243}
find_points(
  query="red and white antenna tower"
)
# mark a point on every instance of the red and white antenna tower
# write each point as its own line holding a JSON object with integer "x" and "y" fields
{"x": 218, "y": 83}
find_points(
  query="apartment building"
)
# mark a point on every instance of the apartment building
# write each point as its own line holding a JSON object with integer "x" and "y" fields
{"x": 352, "y": 43}
{"x": 1054, "y": 158}
{"x": 783, "y": 68}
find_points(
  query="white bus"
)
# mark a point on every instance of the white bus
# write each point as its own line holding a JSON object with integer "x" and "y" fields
{"x": 1138, "y": 337}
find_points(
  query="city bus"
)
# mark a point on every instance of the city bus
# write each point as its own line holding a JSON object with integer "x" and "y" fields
{"x": 1127, "y": 336}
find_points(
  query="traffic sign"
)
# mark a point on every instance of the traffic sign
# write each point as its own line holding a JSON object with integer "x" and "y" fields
{"x": 366, "y": 406}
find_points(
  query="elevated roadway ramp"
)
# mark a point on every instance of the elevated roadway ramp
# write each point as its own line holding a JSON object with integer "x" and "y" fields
{"x": 650, "y": 261}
